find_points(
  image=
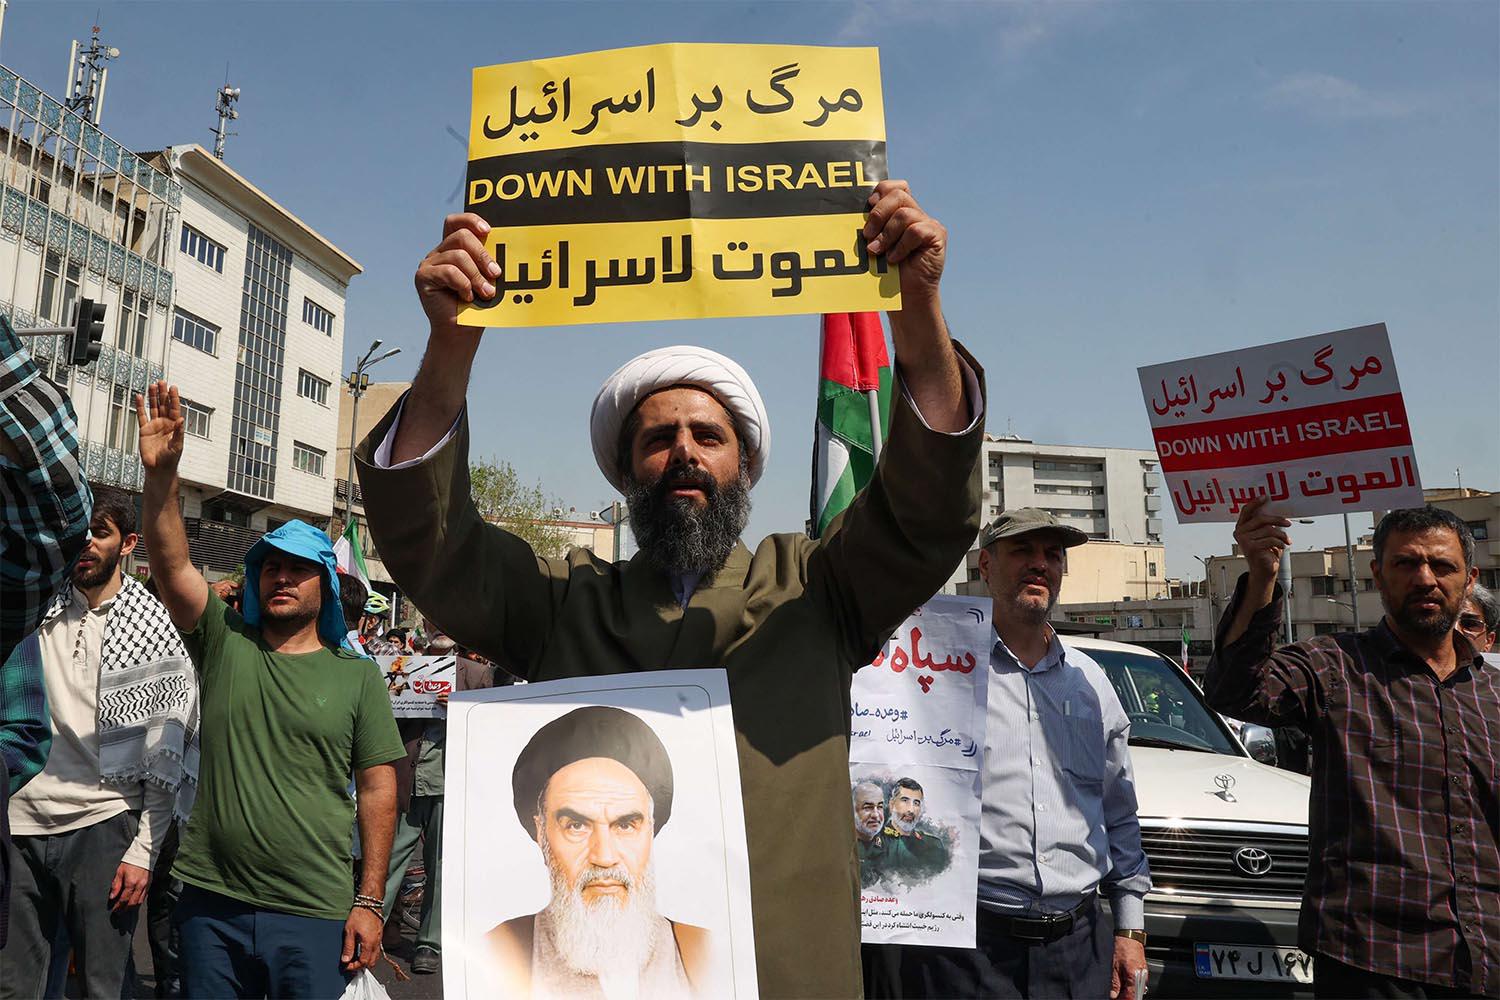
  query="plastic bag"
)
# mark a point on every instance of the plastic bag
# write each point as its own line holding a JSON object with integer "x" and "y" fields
{"x": 365, "y": 987}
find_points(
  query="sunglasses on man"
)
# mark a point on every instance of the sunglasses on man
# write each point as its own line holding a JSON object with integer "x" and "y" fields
{"x": 1470, "y": 624}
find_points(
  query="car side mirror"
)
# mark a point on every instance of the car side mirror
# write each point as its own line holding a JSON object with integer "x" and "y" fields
{"x": 1260, "y": 741}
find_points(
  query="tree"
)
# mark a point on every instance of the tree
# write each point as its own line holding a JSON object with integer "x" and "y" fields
{"x": 501, "y": 497}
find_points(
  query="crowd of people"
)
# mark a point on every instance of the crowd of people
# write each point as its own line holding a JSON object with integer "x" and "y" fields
{"x": 214, "y": 753}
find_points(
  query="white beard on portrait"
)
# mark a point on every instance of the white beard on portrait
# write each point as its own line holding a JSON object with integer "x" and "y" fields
{"x": 611, "y": 935}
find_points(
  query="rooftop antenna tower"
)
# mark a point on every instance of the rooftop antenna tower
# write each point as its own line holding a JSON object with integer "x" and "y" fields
{"x": 87, "y": 75}
{"x": 227, "y": 97}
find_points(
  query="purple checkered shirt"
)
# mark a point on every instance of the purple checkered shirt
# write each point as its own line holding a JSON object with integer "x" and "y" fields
{"x": 1404, "y": 817}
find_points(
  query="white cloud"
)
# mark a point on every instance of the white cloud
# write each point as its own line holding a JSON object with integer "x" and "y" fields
{"x": 1327, "y": 96}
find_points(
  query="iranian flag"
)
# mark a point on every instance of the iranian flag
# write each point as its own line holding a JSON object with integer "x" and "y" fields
{"x": 348, "y": 554}
{"x": 854, "y": 387}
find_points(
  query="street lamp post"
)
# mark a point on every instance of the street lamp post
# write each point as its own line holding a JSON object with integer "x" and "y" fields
{"x": 1353, "y": 577}
{"x": 358, "y": 382}
{"x": 1284, "y": 577}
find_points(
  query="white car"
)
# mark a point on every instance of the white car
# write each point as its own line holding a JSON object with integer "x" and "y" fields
{"x": 1226, "y": 836}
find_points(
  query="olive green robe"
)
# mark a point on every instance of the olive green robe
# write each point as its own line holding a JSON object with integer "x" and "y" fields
{"x": 789, "y": 623}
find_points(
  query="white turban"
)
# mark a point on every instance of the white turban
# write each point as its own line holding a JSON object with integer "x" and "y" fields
{"x": 663, "y": 368}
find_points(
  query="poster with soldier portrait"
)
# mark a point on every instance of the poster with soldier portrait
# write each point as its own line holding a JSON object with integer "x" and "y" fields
{"x": 916, "y": 748}
{"x": 595, "y": 841}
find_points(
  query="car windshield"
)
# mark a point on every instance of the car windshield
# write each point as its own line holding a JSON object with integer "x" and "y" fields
{"x": 1164, "y": 709}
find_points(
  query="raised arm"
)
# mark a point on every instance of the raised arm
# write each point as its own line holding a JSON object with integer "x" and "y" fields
{"x": 180, "y": 587}
{"x": 448, "y": 277}
{"x": 1248, "y": 677}
{"x": 903, "y": 535}
{"x": 908, "y": 236}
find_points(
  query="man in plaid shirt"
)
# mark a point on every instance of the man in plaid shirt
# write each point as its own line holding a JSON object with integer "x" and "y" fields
{"x": 1404, "y": 818}
{"x": 45, "y": 506}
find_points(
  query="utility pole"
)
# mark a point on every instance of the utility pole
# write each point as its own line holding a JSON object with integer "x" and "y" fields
{"x": 358, "y": 383}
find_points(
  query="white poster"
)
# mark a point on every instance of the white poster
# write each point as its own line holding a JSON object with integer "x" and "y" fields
{"x": 594, "y": 842}
{"x": 915, "y": 771}
{"x": 1317, "y": 424}
{"x": 414, "y": 683}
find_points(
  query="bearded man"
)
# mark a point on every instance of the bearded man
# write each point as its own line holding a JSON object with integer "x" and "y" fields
{"x": 1404, "y": 720}
{"x": 869, "y": 843}
{"x": 88, "y": 828}
{"x": 593, "y": 789}
{"x": 682, "y": 432}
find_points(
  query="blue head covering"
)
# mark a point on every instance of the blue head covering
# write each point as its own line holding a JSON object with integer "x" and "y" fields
{"x": 298, "y": 538}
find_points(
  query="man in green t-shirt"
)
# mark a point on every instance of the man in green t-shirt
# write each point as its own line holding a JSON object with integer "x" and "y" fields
{"x": 287, "y": 717}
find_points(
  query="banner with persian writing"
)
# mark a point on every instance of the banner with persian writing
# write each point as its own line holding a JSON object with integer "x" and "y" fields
{"x": 679, "y": 181}
{"x": 1317, "y": 424}
{"x": 416, "y": 682}
{"x": 916, "y": 754}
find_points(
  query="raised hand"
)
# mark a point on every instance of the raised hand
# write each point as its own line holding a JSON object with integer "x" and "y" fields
{"x": 898, "y": 228}
{"x": 457, "y": 271}
{"x": 1261, "y": 540}
{"x": 161, "y": 428}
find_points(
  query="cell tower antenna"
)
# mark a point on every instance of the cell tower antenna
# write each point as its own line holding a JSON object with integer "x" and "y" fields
{"x": 87, "y": 75}
{"x": 228, "y": 96}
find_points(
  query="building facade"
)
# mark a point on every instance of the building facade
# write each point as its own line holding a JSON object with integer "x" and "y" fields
{"x": 83, "y": 217}
{"x": 255, "y": 346}
{"x": 1110, "y": 494}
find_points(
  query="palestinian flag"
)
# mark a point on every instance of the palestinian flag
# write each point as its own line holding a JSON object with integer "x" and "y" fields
{"x": 854, "y": 370}
{"x": 349, "y": 555}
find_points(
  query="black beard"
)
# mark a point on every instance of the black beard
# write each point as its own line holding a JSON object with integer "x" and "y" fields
{"x": 675, "y": 535}
{"x": 99, "y": 575}
{"x": 1431, "y": 625}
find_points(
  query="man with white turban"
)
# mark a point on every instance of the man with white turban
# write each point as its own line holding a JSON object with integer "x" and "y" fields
{"x": 682, "y": 432}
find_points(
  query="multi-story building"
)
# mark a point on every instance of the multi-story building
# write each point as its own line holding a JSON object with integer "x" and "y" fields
{"x": 256, "y": 343}
{"x": 1111, "y": 494}
{"x": 84, "y": 217}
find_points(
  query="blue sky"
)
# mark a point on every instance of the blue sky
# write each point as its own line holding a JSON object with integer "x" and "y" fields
{"x": 1124, "y": 184}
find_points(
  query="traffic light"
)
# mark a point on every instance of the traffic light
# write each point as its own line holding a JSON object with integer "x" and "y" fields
{"x": 88, "y": 332}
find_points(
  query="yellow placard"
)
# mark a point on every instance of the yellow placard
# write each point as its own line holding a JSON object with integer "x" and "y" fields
{"x": 679, "y": 181}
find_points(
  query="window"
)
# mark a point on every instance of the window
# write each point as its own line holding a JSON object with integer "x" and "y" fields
{"x": 258, "y": 376}
{"x": 49, "y": 306}
{"x": 1479, "y": 529}
{"x": 319, "y": 318}
{"x": 195, "y": 332}
{"x": 202, "y": 249}
{"x": 196, "y": 419}
{"x": 312, "y": 387}
{"x": 1322, "y": 586}
{"x": 122, "y": 423}
{"x": 1051, "y": 466}
{"x": 307, "y": 458}
{"x": 130, "y": 330}
{"x": 1076, "y": 491}
{"x": 1150, "y": 569}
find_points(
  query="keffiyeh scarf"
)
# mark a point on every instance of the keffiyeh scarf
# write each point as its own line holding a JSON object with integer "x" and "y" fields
{"x": 148, "y": 696}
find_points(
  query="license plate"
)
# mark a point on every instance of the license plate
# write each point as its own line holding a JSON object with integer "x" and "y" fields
{"x": 1243, "y": 961}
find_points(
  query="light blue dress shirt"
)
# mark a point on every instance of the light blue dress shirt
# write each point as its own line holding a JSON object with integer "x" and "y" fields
{"x": 1059, "y": 816}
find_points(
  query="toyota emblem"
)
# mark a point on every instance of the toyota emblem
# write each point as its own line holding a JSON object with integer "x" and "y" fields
{"x": 1252, "y": 861}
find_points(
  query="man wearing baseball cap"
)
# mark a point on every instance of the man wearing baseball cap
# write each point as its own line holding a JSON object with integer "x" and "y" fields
{"x": 1059, "y": 814}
